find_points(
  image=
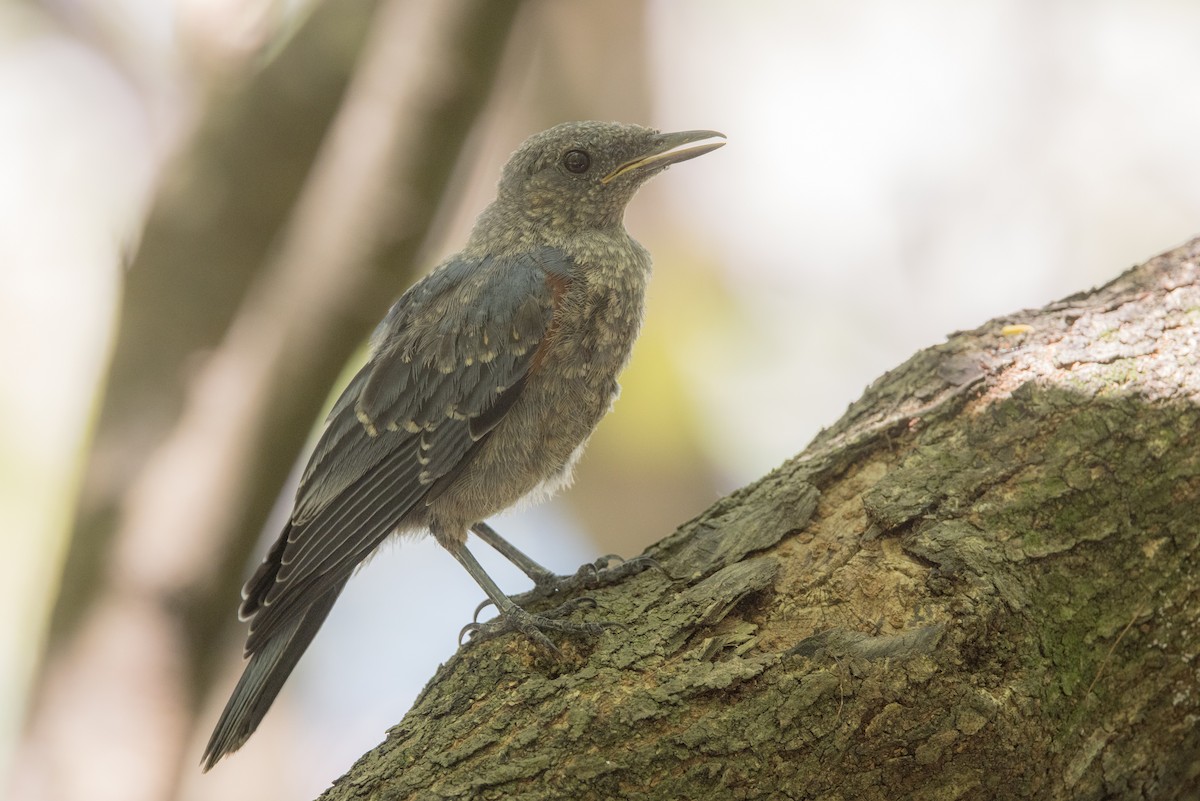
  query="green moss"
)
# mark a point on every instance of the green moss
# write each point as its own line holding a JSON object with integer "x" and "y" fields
{"x": 1120, "y": 373}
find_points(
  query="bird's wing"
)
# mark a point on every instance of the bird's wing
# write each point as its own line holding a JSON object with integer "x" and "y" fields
{"x": 449, "y": 360}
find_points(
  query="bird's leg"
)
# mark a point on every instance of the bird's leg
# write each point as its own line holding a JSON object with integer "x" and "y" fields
{"x": 604, "y": 571}
{"x": 513, "y": 617}
{"x": 540, "y": 575}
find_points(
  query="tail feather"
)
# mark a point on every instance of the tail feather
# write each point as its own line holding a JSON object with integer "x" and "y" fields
{"x": 263, "y": 678}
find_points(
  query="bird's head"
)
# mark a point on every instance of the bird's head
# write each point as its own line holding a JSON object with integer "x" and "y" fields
{"x": 583, "y": 174}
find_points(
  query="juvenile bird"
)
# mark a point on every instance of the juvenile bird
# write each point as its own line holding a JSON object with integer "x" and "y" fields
{"x": 485, "y": 380}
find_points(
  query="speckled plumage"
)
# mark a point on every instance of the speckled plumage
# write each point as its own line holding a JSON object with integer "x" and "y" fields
{"x": 484, "y": 382}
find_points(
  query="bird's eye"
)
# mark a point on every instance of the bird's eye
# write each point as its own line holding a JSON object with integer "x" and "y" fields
{"x": 577, "y": 161}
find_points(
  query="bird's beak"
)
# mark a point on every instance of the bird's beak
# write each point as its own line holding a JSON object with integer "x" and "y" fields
{"x": 669, "y": 148}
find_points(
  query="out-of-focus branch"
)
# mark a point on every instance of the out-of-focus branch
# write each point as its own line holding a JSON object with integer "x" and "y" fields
{"x": 216, "y": 215}
{"x": 259, "y": 273}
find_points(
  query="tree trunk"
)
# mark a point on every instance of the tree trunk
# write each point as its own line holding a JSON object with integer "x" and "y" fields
{"x": 980, "y": 583}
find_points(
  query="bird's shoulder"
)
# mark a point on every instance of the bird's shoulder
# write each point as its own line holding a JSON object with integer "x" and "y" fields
{"x": 470, "y": 320}
{"x": 451, "y": 352}
{"x": 472, "y": 289}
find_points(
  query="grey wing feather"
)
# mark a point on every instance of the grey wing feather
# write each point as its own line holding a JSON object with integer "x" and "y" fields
{"x": 448, "y": 361}
{"x": 263, "y": 678}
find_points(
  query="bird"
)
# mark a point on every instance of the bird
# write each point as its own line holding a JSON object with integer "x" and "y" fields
{"x": 483, "y": 383}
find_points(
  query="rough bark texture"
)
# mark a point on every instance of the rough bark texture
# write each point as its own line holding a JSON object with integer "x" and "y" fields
{"x": 980, "y": 583}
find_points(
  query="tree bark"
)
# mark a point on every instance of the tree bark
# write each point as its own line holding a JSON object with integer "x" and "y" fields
{"x": 980, "y": 583}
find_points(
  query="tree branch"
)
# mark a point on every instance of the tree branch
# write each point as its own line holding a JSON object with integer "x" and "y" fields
{"x": 979, "y": 583}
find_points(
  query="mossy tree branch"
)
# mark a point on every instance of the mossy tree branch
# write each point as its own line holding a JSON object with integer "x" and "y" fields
{"x": 980, "y": 583}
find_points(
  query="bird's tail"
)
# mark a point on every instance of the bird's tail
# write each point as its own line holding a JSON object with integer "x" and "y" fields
{"x": 262, "y": 680}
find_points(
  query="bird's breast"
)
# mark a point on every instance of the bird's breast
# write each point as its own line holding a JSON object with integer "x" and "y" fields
{"x": 570, "y": 386}
{"x": 593, "y": 336}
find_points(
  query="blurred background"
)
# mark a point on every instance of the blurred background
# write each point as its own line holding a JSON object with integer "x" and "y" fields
{"x": 205, "y": 205}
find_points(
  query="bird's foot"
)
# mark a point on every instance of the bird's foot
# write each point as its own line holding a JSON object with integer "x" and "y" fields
{"x": 603, "y": 572}
{"x": 534, "y": 627}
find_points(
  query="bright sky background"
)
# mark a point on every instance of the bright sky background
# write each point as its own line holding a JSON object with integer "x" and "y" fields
{"x": 895, "y": 171}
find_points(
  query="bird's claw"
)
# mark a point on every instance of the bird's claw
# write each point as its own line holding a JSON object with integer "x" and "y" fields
{"x": 606, "y": 570}
{"x": 602, "y": 572}
{"x": 564, "y": 609}
{"x": 468, "y": 630}
{"x": 558, "y": 611}
{"x": 535, "y": 626}
{"x": 484, "y": 604}
{"x": 606, "y": 561}
{"x": 612, "y": 568}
